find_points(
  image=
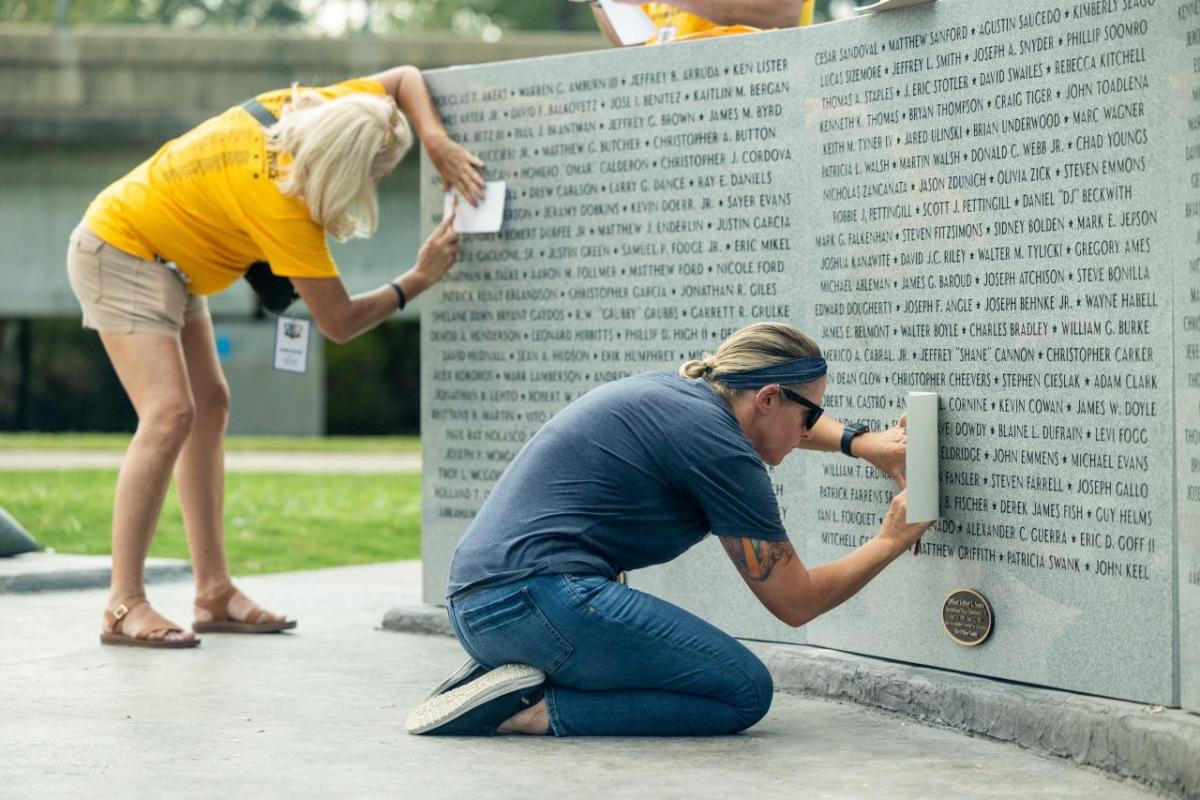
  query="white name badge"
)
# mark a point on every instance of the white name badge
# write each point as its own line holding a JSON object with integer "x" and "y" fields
{"x": 291, "y": 344}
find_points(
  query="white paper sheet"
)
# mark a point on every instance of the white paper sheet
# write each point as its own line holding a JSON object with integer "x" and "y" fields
{"x": 483, "y": 218}
{"x": 890, "y": 5}
{"x": 630, "y": 23}
{"x": 921, "y": 457}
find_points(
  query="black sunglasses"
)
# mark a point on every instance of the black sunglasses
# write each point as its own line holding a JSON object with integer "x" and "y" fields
{"x": 814, "y": 410}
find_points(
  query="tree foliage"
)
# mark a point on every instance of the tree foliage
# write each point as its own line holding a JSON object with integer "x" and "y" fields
{"x": 377, "y": 16}
{"x": 176, "y": 13}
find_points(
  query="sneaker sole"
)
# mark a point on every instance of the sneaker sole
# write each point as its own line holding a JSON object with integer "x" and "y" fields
{"x": 439, "y": 710}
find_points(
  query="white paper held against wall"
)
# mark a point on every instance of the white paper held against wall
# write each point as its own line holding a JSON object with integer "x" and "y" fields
{"x": 921, "y": 457}
{"x": 890, "y": 5}
{"x": 630, "y": 23}
{"x": 486, "y": 217}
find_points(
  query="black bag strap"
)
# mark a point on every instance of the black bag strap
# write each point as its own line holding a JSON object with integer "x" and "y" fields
{"x": 259, "y": 112}
{"x": 275, "y": 293}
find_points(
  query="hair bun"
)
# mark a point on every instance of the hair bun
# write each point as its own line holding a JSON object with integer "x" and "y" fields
{"x": 695, "y": 368}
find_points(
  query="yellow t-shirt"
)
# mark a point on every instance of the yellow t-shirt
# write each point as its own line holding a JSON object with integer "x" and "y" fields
{"x": 207, "y": 201}
{"x": 674, "y": 25}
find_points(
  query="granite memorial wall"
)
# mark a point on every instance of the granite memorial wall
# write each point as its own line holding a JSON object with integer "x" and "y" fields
{"x": 1000, "y": 205}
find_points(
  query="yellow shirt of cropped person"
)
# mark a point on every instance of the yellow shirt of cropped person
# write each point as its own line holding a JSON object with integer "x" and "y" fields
{"x": 675, "y": 25}
{"x": 208, "y": 202}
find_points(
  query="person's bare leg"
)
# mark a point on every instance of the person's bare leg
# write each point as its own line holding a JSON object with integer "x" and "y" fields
{"x": 534, "y": 720}
{"x": 200, "y": 471}
{"x": 151, "y": 369}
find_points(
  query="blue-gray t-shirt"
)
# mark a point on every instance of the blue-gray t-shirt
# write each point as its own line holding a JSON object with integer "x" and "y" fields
{"x": 631, "y": 474}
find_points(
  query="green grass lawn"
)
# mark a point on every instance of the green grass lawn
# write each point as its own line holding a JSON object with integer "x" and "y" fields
{"x": 273, "y": 522}
{"x": 119, "y": 441}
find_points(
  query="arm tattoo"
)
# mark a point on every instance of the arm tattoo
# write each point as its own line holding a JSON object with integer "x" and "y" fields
{"x": 755, "y": 558}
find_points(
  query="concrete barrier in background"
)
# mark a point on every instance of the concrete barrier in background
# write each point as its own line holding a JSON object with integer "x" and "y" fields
{"x": 87, "y": 85}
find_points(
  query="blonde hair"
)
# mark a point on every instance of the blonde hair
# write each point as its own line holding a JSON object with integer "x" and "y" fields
{"x": 762, "y": 344}
{"x": 337, "y": 150}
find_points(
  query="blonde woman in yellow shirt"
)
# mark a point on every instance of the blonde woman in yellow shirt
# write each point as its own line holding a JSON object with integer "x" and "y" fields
{"x": 187, "y": 223}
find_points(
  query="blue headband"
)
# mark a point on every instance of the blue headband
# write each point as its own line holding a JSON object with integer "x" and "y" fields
{"x": 787, "y": 373}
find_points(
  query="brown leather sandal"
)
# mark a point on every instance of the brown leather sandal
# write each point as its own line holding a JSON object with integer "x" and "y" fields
{"x": 255, "y": 622}
{"x": 112, "y": 632}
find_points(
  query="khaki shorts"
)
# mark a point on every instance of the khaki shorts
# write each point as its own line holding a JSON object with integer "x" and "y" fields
{"x": 121, "y": 293}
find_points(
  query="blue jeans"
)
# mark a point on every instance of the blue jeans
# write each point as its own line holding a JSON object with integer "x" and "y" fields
{"x": 620, "y": 662}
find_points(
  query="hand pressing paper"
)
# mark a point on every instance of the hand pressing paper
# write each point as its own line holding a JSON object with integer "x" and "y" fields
{"x": 483, "y": 218}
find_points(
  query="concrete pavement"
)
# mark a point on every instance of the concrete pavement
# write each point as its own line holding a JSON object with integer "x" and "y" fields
{"x": 319, "y": 712}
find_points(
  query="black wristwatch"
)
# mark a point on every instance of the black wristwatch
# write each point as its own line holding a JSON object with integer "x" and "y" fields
{"x": 400, "y": 298}
{"x": 848, "y": 435}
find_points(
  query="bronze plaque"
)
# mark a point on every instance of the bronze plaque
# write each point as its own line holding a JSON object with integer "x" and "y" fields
{"x": 967, "y": 616}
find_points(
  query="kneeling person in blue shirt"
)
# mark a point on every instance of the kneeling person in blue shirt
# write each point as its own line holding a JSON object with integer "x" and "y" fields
{"x": 630, "y": 475}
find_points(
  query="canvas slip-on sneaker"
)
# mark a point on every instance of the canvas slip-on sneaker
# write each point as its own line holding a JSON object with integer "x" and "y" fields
{"x": 478, "y": 708}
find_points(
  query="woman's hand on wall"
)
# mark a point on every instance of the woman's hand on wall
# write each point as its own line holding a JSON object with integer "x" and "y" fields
{"x": 885, "y": 450}
{"x": 436, "y": 256}
{"x": 895, "y": 530}
{"x": 458, "y": 166}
